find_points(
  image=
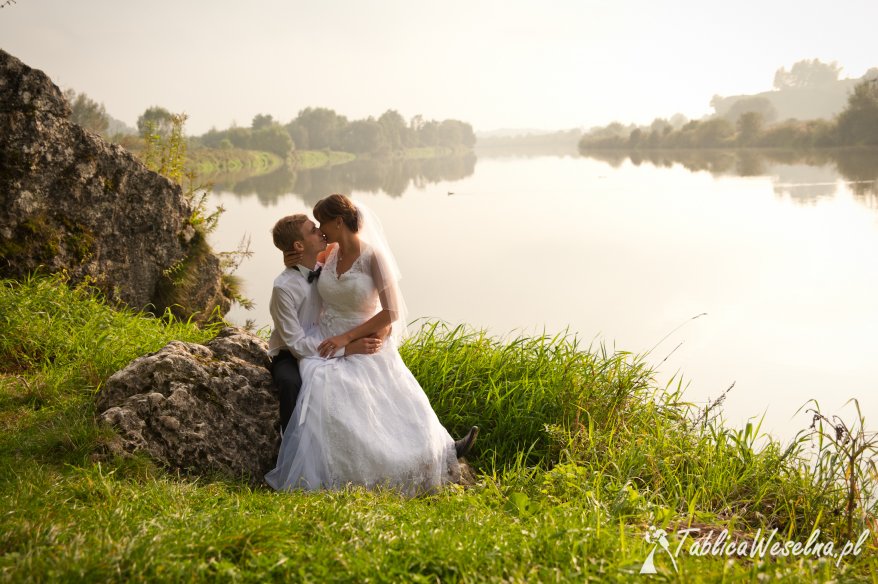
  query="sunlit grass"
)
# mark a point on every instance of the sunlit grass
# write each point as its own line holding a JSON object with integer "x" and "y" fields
{"x": 579, "y": 453}
{"x": 427, "y": 152}
{"x": 305, "y": 159}
{"x": 206, "y": 162}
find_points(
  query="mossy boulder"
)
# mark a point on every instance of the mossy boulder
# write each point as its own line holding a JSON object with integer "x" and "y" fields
{"x": 201, "y": 409}
{"x": 71, "y": 202}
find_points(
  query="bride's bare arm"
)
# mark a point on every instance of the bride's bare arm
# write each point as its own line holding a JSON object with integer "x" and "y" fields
{"x": 371, "y": 327}
{"x": 377, "y": 325}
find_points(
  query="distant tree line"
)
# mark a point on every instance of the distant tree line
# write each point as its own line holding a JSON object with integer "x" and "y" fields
{"x": 312, "y": 129}
{"x": 751, "y": 122}
{"x": 86, "y": 112}
{"x": 324, "y": 129}
{"x": 93, "y": 116}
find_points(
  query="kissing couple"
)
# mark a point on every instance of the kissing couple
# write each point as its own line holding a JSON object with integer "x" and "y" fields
{"x": 351, "y": 412}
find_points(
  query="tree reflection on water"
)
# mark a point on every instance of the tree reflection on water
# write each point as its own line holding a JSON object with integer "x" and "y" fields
{"x": 803, "y": 176}
{"x": 392, "y": 176}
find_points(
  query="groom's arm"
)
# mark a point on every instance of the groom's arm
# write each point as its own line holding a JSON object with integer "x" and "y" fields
{"x": 283, "y": 308}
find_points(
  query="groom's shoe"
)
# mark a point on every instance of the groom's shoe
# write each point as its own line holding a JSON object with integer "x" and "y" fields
{"x": 465, "y": 444}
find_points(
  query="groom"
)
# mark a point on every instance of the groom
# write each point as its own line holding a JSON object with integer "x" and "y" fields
{"x": 295, "y": 311}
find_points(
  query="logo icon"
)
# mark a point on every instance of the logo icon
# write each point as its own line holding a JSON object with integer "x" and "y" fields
{"x": 659, "y": 539}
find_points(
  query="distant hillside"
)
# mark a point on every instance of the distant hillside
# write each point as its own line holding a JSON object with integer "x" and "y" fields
{"x": 810, "y": 90}
{"x": 801, "y": 103}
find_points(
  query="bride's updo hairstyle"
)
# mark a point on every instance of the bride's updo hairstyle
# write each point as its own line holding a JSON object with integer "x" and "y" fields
{"x": 334, "y": 206}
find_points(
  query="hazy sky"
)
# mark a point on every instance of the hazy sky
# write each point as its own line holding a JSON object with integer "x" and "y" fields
{"x": 504, "y": 64}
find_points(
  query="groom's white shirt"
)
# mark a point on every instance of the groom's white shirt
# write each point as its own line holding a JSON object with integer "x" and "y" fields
{"x": 295, "y": 309}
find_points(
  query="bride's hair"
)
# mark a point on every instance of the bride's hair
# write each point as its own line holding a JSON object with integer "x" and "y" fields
{"x": 334, "y": 206}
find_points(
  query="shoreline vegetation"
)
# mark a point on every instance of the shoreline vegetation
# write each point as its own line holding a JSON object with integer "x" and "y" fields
{"x": 749, "y": 124}
{"x": 316, "y": 138}
{"x": 207, "y": 162}
{"x": 580, "y": 453}
{"x": 236, "y": 164}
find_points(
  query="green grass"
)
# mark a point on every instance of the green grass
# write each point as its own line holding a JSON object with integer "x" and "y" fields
{"x": 305, "y": 159}
{"x": 206, "y": 162}
{"x": 427, "y": 152}
{"x": 579, "y": 453}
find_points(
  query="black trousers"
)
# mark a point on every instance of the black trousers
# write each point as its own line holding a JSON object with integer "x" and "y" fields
{"x": 287, "y": 383}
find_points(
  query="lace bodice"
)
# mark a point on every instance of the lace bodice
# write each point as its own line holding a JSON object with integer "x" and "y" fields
{"x": 350, "y": 299}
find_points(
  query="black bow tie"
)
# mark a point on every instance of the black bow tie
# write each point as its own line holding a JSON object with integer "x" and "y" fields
{"x": 314, "y": 274}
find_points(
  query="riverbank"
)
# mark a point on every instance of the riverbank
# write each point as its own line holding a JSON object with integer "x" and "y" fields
{"x": 309, "y": 159}
{"x": 579, "y": 454}
{"x": 235, "y": 164}
{"x": 206, "y": 161}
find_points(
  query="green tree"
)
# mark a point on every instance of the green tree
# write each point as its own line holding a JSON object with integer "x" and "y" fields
{"x": 299, "y": 135}
{"x": 428, "y": 133}
{"x": 240, "y": 137}
{"x": 88, "y": 113}
{"x": 213, "y": 137}
{"x": 758, "y": 105}
{"x": 156, "y": 120}
{"x": 456, "y": 133}
{"x": 449, "y": 133}
{"x": 323, "y": 125}
{"x": 749, "y": 126}
{"x": 858, "y": 123}
{"x": 805, "y": 73}
{"x": 678, "y": 120}
{"x": 261, "y": 121}
{"x": 713, "y": 133}
{"x": 364, "y": 136}
{"x": 396, "y": 132}
{"x": 635, "y": 137}
{"x": 272, "y": 138}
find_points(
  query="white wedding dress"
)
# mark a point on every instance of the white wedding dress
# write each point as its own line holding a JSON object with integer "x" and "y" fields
{"x": 361, "y": 419}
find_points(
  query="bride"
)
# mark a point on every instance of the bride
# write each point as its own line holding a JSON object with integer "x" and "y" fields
{"x": 362, "y": 419}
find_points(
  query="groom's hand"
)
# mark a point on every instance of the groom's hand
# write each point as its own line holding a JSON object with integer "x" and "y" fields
{"x": 364, "y": 346}
{"x": 292, "y": 258}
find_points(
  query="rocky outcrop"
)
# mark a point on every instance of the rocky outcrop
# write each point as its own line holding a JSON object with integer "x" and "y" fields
{"x": 69, "y": 201}
{"x": 202, "y": 409}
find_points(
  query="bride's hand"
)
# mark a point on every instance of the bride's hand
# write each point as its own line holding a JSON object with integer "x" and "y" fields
{"x": 329, "y": 346}
{"x": 292, "y": 258}
{"x": 363, "y": 346}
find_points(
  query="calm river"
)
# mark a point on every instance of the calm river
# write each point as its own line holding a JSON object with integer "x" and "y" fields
{"x": 779, "y": 252}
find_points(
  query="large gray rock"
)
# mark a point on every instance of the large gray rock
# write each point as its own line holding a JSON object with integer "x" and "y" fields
{"x": 203, "y": 409}
{"x": 69, "y": 201}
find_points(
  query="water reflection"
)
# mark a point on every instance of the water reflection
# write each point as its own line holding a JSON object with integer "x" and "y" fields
{"x": 805, "y": 184}
{"x": 527, "y": 150}
{"x": 804, "y": 177}
{"x": 389, "y": 176}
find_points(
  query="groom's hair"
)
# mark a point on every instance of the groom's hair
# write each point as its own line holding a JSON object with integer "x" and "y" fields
{"x": 287, "y": 231}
